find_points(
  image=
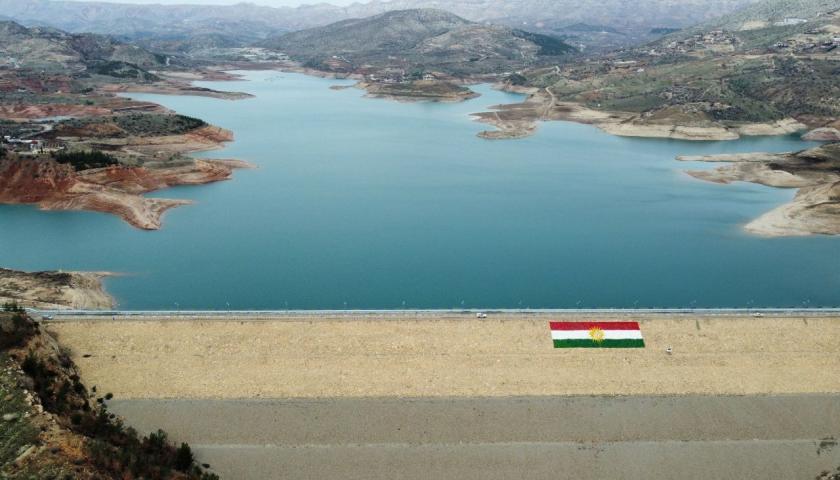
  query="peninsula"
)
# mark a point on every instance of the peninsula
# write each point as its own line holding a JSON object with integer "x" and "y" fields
{"x": 815, "y": 172}
{"x": 70, "y": 143}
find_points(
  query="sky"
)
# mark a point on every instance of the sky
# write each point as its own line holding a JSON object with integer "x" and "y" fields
{"x": 273, "y": 3}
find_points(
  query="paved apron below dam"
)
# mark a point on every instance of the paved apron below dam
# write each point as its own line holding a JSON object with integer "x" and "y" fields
{"x": 637, "y": 437}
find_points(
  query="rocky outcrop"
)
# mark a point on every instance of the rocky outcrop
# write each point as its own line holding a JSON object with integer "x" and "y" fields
{"x": 54, "y": 290}
{"x": 825, "y": 134}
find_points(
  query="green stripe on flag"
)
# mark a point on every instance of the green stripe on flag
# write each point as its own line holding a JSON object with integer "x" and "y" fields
{"x": 606, "y": 343}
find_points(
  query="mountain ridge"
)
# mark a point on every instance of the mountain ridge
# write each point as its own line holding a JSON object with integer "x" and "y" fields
{"x": 418, "y": 38}
{"x": 50, "y": 48}
{"x": 261, "y": 22}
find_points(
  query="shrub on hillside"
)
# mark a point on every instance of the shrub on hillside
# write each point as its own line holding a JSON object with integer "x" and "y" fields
{"x": 86, "y": 160}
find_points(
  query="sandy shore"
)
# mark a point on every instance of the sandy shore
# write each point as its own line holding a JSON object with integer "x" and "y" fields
{"x": 181, "y": 83}
{"x": 448, "y": 355}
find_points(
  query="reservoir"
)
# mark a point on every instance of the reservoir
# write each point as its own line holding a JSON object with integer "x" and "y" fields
{"x": 365, "y": 204}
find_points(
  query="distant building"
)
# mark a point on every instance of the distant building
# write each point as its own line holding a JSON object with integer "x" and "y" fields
{"x": 790, "y": 21}
{"x": 31, "y": 147}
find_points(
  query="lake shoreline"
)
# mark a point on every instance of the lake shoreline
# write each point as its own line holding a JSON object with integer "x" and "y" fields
{"x": 55, "y": 290}
{"x": 265, "y": 84}
{"x": 119, "y": 189}
{"x": 519, "y": 120}
{"x": 814, "y": 210}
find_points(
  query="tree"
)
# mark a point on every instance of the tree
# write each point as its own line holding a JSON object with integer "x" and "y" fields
{"x": 517, "y": 79}
{"x": 184, "y": 458}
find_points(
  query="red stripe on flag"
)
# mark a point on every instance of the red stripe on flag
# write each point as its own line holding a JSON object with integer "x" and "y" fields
{"x": 591, "y": 325}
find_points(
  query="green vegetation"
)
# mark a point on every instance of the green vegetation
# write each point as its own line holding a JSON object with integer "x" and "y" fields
{"x": 43, "y": 50}
{"x": 14, "y": 327}
{"x": 157, "y": 124}
{"x": 113, "y": 447}
{"x": 432, "y": 90}
{"x": 735, "y": 89}
{"x": 663, "y": 30}
{"x": 123, "y": 70}
{"x": 85, "y": 160}
{"x": 17, "y": 129}
{"x": 549, "y": 46}
{"x": 136, "y": 124}
{"x": 15, "y": 434}
{"x": 517, "y": 79}
{"x": 112, "y": 450}
{"x": 430, "y": 39}
{"x": 767, "y": 20}
{"x": 184, "y": 458}
{"x": 151, "y": 457}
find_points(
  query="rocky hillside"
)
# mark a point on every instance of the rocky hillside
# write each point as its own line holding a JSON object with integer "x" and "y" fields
{"x": 53, "y": 290}
{"x": 781, "y": 25}
{"x": 54, "y": 427}
{"x": 50, "y": 49}
{"x": 770, "y": 69}
{"x": 769, "y": 13}
{"x": 418, "y": 39}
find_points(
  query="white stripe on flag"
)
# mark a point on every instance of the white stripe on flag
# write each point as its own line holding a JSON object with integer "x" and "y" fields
{"x": 584, "y": 334}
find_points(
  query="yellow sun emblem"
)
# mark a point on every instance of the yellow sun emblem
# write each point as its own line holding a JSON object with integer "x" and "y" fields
{"x": 596, "y": 334}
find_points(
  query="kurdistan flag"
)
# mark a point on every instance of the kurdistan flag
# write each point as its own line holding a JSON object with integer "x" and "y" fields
{"x": 596, "y": 335}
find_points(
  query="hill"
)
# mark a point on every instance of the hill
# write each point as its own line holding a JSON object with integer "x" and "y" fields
{"x": 768, "y": 69}
{"x": 50, "y": 49}
{"x": 772, "y": 24}
{"x": 424, "y": 39}
{"x": 770, "y": 13}
{"x": 133, "y": 21}
{"x": 53, "y": 426}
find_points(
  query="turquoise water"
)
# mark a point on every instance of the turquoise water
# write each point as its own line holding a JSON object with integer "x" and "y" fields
{"x": 361, "y": 203}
